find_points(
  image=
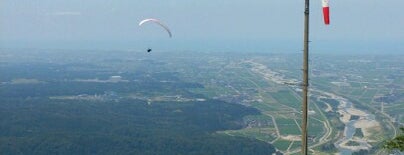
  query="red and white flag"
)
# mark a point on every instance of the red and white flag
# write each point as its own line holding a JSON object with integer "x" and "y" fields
{"x": 326, "y": 12}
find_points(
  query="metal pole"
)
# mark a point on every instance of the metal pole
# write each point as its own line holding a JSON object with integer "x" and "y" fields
{"x": 305, "y": 77}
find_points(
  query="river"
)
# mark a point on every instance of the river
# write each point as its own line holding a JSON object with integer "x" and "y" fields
{"x": 346, "y": 110}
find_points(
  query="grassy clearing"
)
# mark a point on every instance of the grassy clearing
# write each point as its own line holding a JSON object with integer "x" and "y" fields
{"x": 262, "y": 106}
{"x": 296, "y": 145}
{"x": 287, "y": 126}
{"x": 282, "y": 144}
{"x": 287, "y": 98}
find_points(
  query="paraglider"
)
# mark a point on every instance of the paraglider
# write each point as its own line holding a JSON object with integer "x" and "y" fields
{"x": 157, "y": 22}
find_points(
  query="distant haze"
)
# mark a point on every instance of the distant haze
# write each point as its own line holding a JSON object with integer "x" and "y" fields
{"x": 367, "y": 25}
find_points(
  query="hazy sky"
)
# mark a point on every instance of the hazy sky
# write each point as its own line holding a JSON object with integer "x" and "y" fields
{"x": 76, "y": 23}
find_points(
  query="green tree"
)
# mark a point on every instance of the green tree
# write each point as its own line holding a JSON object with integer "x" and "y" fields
{"x": 397, "y": 143}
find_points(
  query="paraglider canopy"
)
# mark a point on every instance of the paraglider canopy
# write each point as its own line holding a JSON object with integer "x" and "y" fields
{"x": 153, "y": 20}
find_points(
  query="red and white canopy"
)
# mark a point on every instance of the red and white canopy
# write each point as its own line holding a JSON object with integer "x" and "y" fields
{"x": 326, "y": 12}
